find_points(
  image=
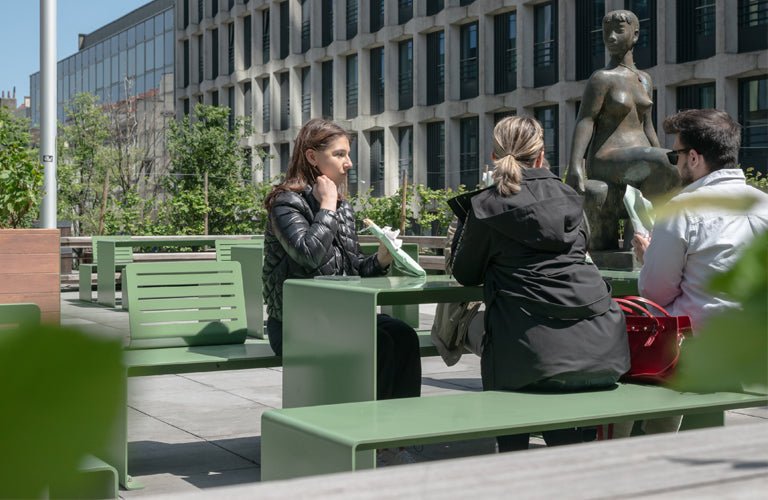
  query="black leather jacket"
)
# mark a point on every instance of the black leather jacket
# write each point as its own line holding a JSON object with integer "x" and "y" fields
{"x": 303, "y": 240}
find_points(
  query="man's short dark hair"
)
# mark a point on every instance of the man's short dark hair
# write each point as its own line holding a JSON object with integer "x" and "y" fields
{"x": 712, "y": 133}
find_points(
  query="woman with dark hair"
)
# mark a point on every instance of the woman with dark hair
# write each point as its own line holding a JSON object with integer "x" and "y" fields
{"x": 311, "y": 232}
{"x": 550, "y": 322}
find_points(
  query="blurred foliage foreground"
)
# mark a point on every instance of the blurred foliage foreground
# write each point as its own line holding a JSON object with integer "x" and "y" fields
{"x": 61, "y": 391}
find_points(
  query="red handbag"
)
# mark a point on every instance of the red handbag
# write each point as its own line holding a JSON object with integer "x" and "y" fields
{"x": 654, "y": 340}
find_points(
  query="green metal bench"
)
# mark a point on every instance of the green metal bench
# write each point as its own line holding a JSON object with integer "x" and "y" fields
{"x": 184, "y": 317}
{"x": 123, "y": 256}
{"x": 224, "y": 247}
{"x": 19, "y": 315}
{"x": 342, "y": 437}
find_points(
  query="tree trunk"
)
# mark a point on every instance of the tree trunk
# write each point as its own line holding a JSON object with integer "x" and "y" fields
{"x": 104, "y": 194}
{"x": 205, "y": 192}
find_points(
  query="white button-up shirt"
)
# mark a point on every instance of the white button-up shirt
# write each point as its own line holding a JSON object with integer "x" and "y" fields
{"x": 687, "y": 249}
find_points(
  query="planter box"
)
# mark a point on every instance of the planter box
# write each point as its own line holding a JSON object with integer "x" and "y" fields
{"x": 29, "y": 269}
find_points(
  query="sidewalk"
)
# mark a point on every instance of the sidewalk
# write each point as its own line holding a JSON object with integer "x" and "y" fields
{"x": 192, "y": 432}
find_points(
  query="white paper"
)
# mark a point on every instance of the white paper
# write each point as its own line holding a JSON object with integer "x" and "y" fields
{"x": 640, "y": 211}
{"x": 402, "y": 261}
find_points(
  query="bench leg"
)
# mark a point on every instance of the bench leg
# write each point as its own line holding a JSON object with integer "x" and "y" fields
{"x": 116, "y": 453}
{"x": 105, "y": 274}
{"x": 703, "y": 421}
{"x": 288, "y": 452}
{"x": 84, "y": 280}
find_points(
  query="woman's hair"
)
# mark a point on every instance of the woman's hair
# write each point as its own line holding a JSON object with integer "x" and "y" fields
{"x": 316, "y": 134}
{"x": 517, "y": 142}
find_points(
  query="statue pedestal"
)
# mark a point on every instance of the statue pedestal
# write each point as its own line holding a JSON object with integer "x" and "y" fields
{"x": 622, "y": 260}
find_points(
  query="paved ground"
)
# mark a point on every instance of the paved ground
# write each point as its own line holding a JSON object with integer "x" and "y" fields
{"x": 197, "y": 431}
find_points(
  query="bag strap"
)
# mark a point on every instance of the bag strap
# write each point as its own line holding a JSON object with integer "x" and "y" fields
{"x": 643, "y": 300}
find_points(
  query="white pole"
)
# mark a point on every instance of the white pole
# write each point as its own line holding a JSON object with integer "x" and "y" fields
{"x": 48, "y": 110}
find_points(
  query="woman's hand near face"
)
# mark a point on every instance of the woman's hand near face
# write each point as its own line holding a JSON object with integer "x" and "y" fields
{"x": 326, "y": 192}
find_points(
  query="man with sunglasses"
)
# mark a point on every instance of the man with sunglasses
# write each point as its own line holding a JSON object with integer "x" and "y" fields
{"x": 686, "y": 249}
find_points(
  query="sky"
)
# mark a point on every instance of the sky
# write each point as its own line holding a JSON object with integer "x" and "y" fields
{"x": 20, "y": 34}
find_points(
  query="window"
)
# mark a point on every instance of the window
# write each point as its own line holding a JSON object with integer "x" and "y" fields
{"x": 231, "y": 48}
{"x": 215, "y": 98}
{"x": 645, "y": 48}
{"x": 436, "y": 155}
{"x": 469, "y": 168}
{"x": 547, "y": 116}
{"x": 184, "y": 14}
{"x": 353, "y": 176}
{"x": 231, "y": 105}
{"x": 265, "y": 105}
{"x": 185, "y": 63}
{"x": 265, "y": 36}
{"x": 696, "y": 96}
{"x": 468, "y": 67}
{"x": 285, "y": 25}
{"x": 284, "y": 150}
{"x": 327, "y": 23}
{"x": 200, "y": 10}
{"x": 377, "y": 15}
{"x": 434, "y": 6}
{"x": 352, "y": 86}
{"x": 405, "y": 160}
{"x": 351, "y": 19}
{"x": 695, "y": 29}
{"x": 214, "y": 54}
{"x": 505, "y": 52}
{"x": 327, "y": 83}
{"x": 200, "y": 73}
{"x": 435, "y": 67}
{"x": 497, "y": 117}
{"x": 214, "y": 7}
{"x": 377, "y": 80}
{"x": 266, "y": 161}
{"x": 590, "y": 49}
{"x": 376, "y": 140}
{"x": 465, "y": 2}
{"x": 753, "y": 116}
{"x": 247, "y": 60}
{"x": 247, "y": 105}
{"x": 285, "y": 100}
{"x": 306, "y": 30}
{"x": 405, "y": 74}
{"x": 185, "y": 106}
{"x": 545, "y": 44}
{"x": 404, "y": 11}
{"x": 753, "y": 25}
{"x": 306, "y": 94}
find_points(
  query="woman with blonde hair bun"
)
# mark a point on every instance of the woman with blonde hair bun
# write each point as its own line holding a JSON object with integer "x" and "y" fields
{"x": 550, "y": 322}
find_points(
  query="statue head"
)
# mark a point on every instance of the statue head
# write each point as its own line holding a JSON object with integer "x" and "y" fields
{"x": 621, "y": 29}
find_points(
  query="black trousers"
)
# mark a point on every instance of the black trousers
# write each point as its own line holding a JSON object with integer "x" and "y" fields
{"x": 399, "y": 360}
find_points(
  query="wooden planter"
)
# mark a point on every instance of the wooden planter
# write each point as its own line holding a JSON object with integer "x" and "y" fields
{"x": 29, "y": 269}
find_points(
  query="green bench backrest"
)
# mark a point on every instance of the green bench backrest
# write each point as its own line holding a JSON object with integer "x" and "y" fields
{"x": 123, "y": 255}
{"x": 175, "y": 304}
{"x": 19, "y": 315}
{"x": 224, "y": 247}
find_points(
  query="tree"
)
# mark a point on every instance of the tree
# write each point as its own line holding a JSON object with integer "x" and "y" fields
{"x": 209, "y": 177}
{"x": 21, "y": 175}
{"x": 83, "y": 169}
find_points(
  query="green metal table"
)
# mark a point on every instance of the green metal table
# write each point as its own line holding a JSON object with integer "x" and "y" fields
{"x": 329, "y": 339}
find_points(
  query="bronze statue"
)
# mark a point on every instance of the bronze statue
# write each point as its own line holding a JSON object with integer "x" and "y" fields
{"x": 615, "y": 129}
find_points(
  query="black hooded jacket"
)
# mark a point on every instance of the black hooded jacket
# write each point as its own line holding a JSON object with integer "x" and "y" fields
{"x": 549, "y": 312}
{"x": 303, "y": 240}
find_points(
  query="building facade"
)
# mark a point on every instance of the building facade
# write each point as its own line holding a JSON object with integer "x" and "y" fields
{"x": 421, "y": 83}
{"x": 129, "y": 58}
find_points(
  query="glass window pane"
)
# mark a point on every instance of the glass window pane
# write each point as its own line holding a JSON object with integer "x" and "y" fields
{"x": 150, "y": 60}
{"x": 159, "y": 63}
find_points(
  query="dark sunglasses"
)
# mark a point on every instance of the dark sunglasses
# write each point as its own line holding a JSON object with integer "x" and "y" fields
{"x": 673, "y": 155}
